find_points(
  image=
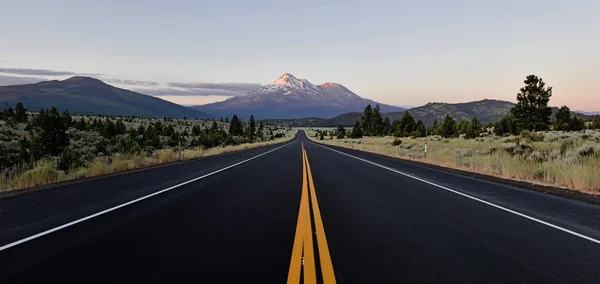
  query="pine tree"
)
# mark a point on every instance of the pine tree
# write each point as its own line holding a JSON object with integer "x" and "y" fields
{"x": 251, "y": 127}
{"x": 20, "y": 113}
{"x": 563, "y": 118}
{"x": 576, "y": 124}
{"x": 53, "y": 132}
{"x": 341, "y": 132}
{"x": 367, "y": 119}
{"x": 420, "y": 129}
{"x": 356, "y": 131}
{"x": 387, "y": 126}
{"x": 506, "y": 125}
{"x": 448, "y": 127}
{"x": 531, "y": 111}
{"x": 377, "y": 121}
{"x": 435, "y": 129}
{"x": 235, "y": 127}
{"x": 596, "y": 122}
{"x": 476, "y": 128}
{"x": 406, "y": 125}
{"x": 463, "y": 127}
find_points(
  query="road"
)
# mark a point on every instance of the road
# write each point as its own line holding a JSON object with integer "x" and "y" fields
{"x": 298, "y": 212}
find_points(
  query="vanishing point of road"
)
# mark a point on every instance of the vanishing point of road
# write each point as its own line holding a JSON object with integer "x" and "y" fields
{"x": 298, "y": 212}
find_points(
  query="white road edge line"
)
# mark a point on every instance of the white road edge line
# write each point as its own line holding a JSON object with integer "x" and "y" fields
{"x": 467, "y": 196}
{"x": 15, "y": 243}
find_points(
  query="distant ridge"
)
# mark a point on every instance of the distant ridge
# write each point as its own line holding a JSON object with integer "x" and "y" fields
{"x": 85, "y": 95}
{"x": 290, "y": 97}
{"x": 486, "y": 111}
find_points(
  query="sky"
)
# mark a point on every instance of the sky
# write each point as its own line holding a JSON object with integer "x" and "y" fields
{"x": 404, "y": 53}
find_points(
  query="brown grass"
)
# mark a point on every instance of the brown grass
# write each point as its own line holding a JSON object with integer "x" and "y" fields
{"x": 45, "y": 172}
{"x": 569, "y": 160}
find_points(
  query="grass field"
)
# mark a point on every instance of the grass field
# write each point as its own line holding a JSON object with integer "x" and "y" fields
{"x": 45, "y": 171}
{"x": 565, "y": 159}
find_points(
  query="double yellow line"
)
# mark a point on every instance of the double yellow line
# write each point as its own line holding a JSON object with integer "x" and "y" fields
{"x": 303, "y": 253}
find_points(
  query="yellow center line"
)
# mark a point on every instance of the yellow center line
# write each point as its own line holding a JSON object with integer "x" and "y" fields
{"x": 326, "y": 264}
{"x": 303, "y": 254}
{"x": 310, "y": 275}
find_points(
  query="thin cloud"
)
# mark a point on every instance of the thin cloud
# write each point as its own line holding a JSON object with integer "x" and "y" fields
{"x": 233, "y": 87}
{"x": 186, "y": 92}
{"x": 41, "y": 72}
{"x": 131, "y": 82}
{"x": 14, "y": 80}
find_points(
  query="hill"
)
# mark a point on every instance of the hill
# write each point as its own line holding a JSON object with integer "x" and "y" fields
{"x": 290, "y": 97}
{"x": 486, "y": 111}
{"x": 85, "y": 95}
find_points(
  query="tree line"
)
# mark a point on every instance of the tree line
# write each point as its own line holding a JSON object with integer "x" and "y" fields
{"x": 531, "y": 113}
{"x": 49, "y": 136}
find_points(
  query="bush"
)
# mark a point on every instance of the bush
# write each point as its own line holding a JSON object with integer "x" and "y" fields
{"x": 526, "y": 134}
{"x": 539, "y": 173}
{"x": 587, "y": 149}
{"x": 396, "y": 142}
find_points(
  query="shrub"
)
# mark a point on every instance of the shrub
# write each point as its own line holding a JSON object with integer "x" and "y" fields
{"x": 396, "y": 142}
{"x": 526, "y": 134}
{"x": 587, "y": 149}
{"x": 539, "y": 173}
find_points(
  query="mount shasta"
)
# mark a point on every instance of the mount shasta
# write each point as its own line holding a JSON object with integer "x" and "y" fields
{"x": 290, "y": 97}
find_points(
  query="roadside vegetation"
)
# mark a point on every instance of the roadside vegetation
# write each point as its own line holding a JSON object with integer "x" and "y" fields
{"x": 524, "y": 145}
{"x": 38, "y": 148}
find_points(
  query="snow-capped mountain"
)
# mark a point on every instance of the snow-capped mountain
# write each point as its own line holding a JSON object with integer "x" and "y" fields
{"x": 290, "y": 97}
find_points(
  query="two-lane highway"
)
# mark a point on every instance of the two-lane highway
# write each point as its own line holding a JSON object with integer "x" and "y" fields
{"x": 300, "y": 212}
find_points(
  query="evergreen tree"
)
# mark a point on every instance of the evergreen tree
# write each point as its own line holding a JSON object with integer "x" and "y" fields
{"x": 227, "y": 119}
{"x": 260, "y": 131}
{"x": 576, "y": 124}
{"x": 405, "y": 126}
{"x": 387, "y": 126}
{"x": 531, "y": 111}
{"x": 341, "y": 132}
{"x": 235, "y": 127}
{"x": 367, "y": 119}
{"x": 476, "y": 128}
{"x": 435, "y": 129}
{"x": 356, "y": 131}
{"x": 20, "y": 113}
{"x": 251, "y": 127}
{"x": 506, "y": 125}
{"x": 377, "y": 121}
{"x": 420, "y": 129}
{"x": 448, "y": 127}
{"x": 196, "y": 130}
{"x": 596, "y": 122}
{"x": 53, "y": 132}
{"x": 563, "y": 118}
{"x": 463, "y": 127}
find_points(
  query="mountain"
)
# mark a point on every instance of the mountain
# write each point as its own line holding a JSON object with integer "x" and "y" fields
{"x": 290, "y": 97}
{"x": 588, "y": 112}
{"x": 486, "y": 111}
{"x": 85, "y": 95}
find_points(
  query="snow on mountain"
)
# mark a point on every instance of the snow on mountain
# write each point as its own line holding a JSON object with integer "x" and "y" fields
{"x": 290, "y": 97}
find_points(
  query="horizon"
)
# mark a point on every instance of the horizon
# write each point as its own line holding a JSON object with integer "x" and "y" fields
{"x": 390, "y": 52}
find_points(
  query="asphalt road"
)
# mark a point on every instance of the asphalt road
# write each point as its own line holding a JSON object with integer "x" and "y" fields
{"x": 253, "y": 217}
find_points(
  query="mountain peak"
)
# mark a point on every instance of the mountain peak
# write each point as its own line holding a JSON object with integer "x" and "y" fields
{"x": 285, "y": 79}
{"x": 329, "y": 85}
{"x": 84, "y": 80}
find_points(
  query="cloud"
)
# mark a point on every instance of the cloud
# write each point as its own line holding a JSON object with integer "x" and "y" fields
{"x": 41, "y": 72}
{"x": 14, "y": 80}
{"x": 186, "y": 92}
{"x": 233, "y": 87}
{"x": 131, "y": 82}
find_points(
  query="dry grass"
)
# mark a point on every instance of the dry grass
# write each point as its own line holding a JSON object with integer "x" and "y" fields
{"x": 45, "y": 172}
{"x": 570, "y": 160}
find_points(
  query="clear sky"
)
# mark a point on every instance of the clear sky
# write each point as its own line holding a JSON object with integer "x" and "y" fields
{"x": 397, "y": 52}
